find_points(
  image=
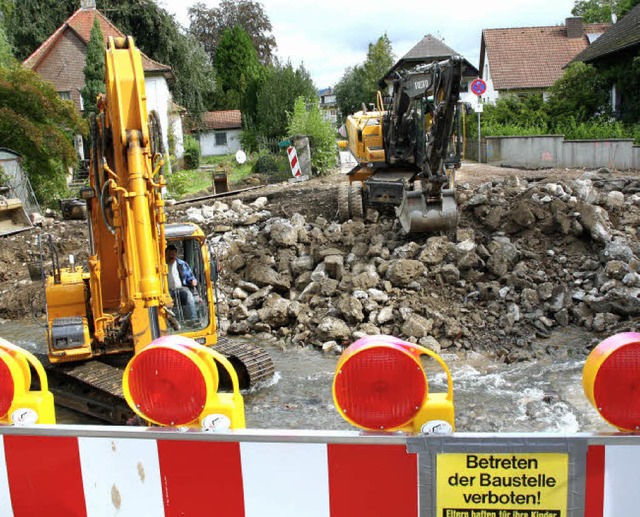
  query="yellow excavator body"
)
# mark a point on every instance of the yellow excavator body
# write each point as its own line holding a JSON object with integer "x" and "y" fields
{"x": 121, "y": 301}
{"x": 408, "y": 150}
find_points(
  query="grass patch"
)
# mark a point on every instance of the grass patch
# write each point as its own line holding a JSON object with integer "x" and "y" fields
{"x": 235, "y": 172}
{"x": 191, "y": 181}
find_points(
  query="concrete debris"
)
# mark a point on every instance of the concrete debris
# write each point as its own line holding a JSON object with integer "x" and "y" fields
{"x": 529, "y": 258}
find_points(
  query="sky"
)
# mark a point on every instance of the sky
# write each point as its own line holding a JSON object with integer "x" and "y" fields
{"x": 328, "y": 36}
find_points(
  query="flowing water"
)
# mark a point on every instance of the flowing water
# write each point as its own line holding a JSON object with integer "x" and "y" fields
{"x": 489, "y": 396}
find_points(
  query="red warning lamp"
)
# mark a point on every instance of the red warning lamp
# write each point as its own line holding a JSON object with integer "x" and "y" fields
{"x": 380, "y": 385}
{"x": 7, "y": 387}
{"x": 611, "y": 380}
{"x": 19, "y": 405}
{"x": 169, "y": 384}
{"x": 174, "y": 382}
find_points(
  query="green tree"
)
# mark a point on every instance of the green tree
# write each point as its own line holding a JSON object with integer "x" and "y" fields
{"x": 154, "y": 30}
{"x": 277, "y": 95}
{"x": 36, "y": 123}
{"x": 624, "y": 6}
{"x": 307, "y": 119}
{"x": 6, "y": 52}
{"x": 30, "y": 22}
{"x": 94, "y": 70}
{"x": 236, "y": 65}
{"x": 599, "y": 11}
{"x": 360, "y": 83}
{"x": 593, "y": 11}
{"x": 580, "y": 94}
{"x": 208, "y": 25}
{"x": 379, "y": 61}
{"x": 350, "y": 91}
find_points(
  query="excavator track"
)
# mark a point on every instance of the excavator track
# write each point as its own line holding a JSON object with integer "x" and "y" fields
{"x": 94, "y": 388}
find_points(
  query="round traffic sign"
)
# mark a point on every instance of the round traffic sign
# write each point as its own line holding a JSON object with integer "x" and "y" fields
{"x": 478, "y": 86}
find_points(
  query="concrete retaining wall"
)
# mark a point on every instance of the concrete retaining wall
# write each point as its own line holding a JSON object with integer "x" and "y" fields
{"x": 537, "y": 152}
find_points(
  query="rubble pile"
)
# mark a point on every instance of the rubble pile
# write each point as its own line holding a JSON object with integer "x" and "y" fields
{"x": 529, "y": 259}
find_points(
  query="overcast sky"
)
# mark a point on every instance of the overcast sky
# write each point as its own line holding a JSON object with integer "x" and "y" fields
{"x": 330, "y": 35}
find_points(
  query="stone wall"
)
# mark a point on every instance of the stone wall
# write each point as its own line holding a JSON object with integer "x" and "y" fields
{"x": 538, "y": 152}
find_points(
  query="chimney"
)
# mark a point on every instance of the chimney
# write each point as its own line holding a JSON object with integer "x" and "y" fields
{"x": 87, "y": 4}
{"x": 574, "y": 27}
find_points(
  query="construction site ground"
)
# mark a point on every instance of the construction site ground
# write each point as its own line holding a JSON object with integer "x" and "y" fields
{"x": 447, "y": 295}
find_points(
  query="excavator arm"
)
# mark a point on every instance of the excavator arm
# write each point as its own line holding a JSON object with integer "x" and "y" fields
{"x": 417, "y": 131}
{"x": 418, "y": 125}
{"x": 127, "y": 210}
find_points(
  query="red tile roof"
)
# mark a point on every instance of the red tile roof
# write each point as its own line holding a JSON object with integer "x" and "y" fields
{"x": 81, "y": 23}
{"x": 531, "y": 57}
{"x": 230, "y": 119}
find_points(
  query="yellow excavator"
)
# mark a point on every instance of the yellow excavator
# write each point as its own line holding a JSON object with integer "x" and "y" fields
{"x": 407, "y": 153}
{"x": 121, "y": 302}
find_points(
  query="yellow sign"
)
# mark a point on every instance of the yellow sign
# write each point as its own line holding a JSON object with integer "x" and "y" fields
{"x": 502, "y": 485}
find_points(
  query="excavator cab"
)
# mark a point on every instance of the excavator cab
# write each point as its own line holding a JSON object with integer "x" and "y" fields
{"x": 192, "y": 306}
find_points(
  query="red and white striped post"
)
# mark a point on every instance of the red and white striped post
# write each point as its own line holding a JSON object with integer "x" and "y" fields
{"x": 293, "y": 161}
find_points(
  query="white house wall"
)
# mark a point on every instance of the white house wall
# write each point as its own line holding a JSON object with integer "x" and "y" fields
{"x": 158, "y": 99}
{"x": 208, "y": 145}
{"x": 491, "y": 94}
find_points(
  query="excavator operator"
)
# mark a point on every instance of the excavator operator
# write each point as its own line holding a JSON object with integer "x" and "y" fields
{"x": 181, "y": 279}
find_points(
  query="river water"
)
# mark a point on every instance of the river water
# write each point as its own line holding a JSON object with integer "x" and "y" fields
{"x": 489, "y": 396}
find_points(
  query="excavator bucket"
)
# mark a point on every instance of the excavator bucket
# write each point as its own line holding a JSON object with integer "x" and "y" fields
{"x": 13, "y": 217}
{"x": 417, "y": 215}
{"x": 220, "y": 181}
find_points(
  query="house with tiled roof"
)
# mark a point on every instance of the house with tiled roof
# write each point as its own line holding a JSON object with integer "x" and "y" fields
{"x": 328, "y": 104}
{"x": 526, "y": 60}
{"x": 620, "y": 45}
{"x": 428, "y": 50}
{"x": 61, "y": 59}
{"x": 220, "y": 132}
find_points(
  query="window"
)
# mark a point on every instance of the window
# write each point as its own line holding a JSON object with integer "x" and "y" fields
{"x": 464, "y": 86}
{"x": 65, "y": 96}
{"x": 221, "y": 138}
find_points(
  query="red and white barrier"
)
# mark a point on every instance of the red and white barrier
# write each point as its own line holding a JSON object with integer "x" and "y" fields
{"x": 613, "y": 478}
{"x": 63, "y": 471}
{"x": 294, "y": 162}
{"x": 94, "y": 476}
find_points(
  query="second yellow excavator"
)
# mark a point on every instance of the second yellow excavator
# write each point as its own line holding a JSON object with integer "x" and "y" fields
{"x": 407, "y": 153}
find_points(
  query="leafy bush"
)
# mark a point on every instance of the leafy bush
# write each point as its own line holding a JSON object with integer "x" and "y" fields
{"x": 178, "y": 183}
{"x": 595, "y": 129}
{"x": 562, "y": 115}
{"x": 191, "y": 153}
{"x": 309, "y": 122}
{"x": 274, "y": 165}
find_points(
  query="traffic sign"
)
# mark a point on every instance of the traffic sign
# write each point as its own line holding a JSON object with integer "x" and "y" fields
{"x": 293, "y": 161}
{"x": 478, "y": 86}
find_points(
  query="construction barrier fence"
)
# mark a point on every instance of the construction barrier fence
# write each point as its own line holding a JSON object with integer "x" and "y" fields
{"x": 98, "y": 471}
